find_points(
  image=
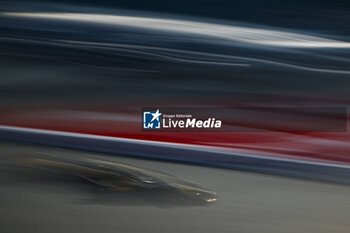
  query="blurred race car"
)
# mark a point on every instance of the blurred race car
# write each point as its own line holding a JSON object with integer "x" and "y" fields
{"x": 113, "y": 176}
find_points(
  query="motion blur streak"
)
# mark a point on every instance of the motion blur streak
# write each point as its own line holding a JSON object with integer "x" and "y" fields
{"x": 90, "y": 70}
{"x": 247, "y": 202}
{"x": 259, "y": 36}
{"x": 75, "y": 76}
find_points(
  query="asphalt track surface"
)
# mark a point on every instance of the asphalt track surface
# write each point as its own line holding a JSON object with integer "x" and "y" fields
{"x": 247, "y": 202}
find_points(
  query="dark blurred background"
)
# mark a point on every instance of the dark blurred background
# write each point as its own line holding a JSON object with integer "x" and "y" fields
{"x": 315, "y": 14}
